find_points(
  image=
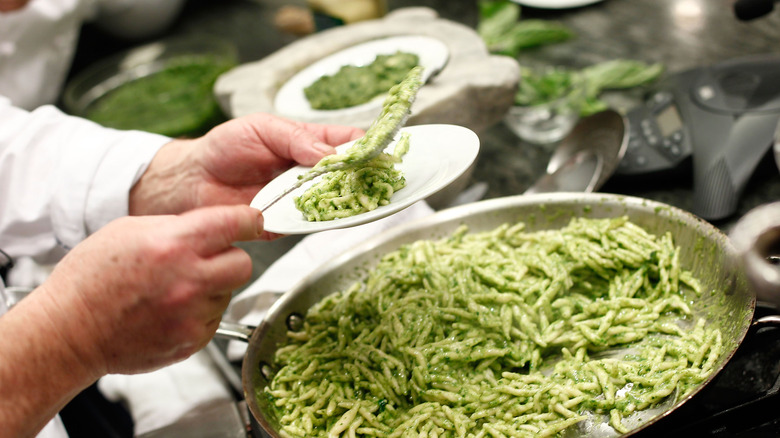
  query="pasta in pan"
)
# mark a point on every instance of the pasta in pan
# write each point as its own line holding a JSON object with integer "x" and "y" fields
{"x": 498, "y": 334}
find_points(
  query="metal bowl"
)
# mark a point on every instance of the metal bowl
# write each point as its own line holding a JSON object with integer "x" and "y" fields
{"x": 88, "y": 87}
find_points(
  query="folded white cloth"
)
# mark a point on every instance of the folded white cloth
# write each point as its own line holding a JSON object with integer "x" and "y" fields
{"x": 162, "y": 397}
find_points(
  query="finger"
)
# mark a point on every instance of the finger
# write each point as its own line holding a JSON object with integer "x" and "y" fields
{"x": 211, "y": 328}
{"x": 219, "y": 305}
{"x": 289, "y": 140}
{"x": 305, "y": 143}
{"x": 334, "y": 135}
{"x": 267, "y": 235}
{"x": 225, "y": 271}
{"x": 213, "y": 230}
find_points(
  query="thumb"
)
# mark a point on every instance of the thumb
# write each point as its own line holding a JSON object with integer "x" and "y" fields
{"x": 212, "y": 230}
{"x": 290, "y": 140}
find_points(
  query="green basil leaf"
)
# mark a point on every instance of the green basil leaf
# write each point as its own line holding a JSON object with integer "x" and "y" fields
{"x": 621, "y": 73}
{"x": 504, "y": 33}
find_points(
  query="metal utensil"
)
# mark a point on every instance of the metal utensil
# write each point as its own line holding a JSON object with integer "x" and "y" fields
{"x": 587, "y": 156}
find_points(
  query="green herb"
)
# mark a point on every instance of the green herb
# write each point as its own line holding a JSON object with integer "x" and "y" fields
{"x": 620, "y": 73}
{"x": 504, "y": 33}
{"x": 582, "y": 88}
{"x": 535, "y": 87}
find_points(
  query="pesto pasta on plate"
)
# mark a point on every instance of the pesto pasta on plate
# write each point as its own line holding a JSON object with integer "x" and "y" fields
{"x": 437, "y": 155}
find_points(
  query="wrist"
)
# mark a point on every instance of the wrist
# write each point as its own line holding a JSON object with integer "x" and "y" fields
{"x": 69, "y": 327}
{"x": 165, "y": 186}
{"x": 41, "y": 371}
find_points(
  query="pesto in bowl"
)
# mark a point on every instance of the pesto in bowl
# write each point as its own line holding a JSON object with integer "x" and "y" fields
{"x": 354, "y": 85}
{"x": 164, "y": 88}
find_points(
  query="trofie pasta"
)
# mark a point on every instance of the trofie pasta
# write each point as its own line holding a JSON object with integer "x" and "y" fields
{"x": 345, "y": 193}
{"x": 502, "y": 333}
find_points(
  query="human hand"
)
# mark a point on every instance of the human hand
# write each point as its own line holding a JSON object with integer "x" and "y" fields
{"x": 232, "y": 162}
{"x": 144, "y": 292}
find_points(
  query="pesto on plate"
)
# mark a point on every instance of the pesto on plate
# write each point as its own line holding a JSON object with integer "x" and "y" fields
{"x": 354, "y": 85}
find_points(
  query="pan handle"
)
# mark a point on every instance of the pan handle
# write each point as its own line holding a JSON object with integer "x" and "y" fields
{"x": 756, "y": 237}
{"x": 234, "y": 332}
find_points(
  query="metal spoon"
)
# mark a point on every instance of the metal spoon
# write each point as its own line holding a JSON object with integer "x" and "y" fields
{"x": 587, "y": 156}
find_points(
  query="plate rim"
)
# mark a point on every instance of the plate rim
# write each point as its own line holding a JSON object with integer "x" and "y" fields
{"x": 559, "y": 4}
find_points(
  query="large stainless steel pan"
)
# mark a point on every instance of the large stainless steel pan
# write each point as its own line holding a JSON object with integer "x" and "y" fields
{"x": 705, "y": 250}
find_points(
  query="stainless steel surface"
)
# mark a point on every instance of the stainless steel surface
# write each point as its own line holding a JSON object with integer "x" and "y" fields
{"x": 12, "y": 295}
{"x": 586, "y": 158}
{"x": 776, "y": 148}
{"x": 238, "y": 332}
{"x": 704, "y": 250}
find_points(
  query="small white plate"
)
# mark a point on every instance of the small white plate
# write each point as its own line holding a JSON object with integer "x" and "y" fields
{"x": 555, "y": 4}
{"x": 290, "y": 101}
{"x": 438, "y": 154}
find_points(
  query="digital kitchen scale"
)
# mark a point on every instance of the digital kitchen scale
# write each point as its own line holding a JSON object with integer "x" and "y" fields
{"x": 722, "y": 116}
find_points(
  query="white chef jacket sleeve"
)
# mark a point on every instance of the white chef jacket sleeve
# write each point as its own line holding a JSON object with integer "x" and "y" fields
{"x": 63, "y": 177}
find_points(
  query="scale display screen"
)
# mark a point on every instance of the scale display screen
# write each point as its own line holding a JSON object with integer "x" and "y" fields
{"x": 669, "y": 121}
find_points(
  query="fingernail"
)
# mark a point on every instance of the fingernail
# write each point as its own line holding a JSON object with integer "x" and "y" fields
{"x": 260, "y": 222}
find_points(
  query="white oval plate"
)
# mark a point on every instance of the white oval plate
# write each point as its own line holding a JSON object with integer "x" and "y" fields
{"x": 438, "y": 154}
{"x": 555, "y": 4}
{"x": 290, "y": 101}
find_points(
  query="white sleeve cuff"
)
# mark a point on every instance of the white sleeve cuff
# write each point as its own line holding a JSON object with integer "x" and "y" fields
{"x": 121, "y": 167}
{"x": 92, "y": 183}
{"x": 63, "y": 177}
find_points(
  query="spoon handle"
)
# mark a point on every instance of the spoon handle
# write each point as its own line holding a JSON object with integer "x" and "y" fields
{"x": 301, "y": 181}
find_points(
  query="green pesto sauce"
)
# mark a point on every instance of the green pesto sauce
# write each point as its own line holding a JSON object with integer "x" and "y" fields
{"x": 175, "y": 101}
{"x": 353, "y": 85}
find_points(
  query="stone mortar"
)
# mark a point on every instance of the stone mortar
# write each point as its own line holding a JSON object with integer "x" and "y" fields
{"x": 474, "y": 89}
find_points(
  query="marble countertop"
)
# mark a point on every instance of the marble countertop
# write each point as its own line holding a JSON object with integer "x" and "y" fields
{"x": 681, "y": 34}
